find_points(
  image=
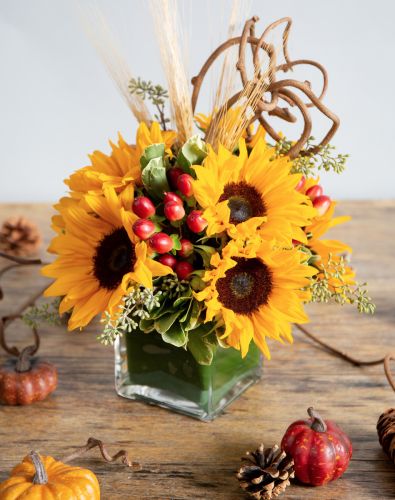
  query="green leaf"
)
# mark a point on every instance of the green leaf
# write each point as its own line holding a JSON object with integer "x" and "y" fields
{"x": 165, "y": 322}
{"x": 194, "y": 314}
{"x": 154, "y": 178}
{"x": 176, "y": 241}
{"x": 206, "y": 252}
{"x": 175, "y": 336}
{"x": 147, "y": 325}
{"x": 201, "y": 345}
{"x": 151, "y": 152}
{"x": 193, "y": 152}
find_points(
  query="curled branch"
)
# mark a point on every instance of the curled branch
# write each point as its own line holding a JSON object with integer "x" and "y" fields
{"x": 350, "y": 359}
{"x": 278, "y": 90}
{"x": 93, "y": 443}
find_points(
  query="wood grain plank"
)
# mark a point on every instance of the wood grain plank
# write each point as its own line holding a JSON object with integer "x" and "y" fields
{"x": 186, "y": 459}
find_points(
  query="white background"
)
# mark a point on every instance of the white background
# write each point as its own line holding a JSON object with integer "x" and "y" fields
{"x": 57, "y": 103}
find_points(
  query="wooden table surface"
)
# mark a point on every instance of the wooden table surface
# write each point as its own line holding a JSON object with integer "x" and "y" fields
{"x": 186, "y": 459}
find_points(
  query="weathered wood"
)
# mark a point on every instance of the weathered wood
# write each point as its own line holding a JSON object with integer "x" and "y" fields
{"x": 186, "y": 459}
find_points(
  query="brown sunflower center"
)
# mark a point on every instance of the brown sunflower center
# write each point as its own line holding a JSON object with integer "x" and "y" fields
{"x": 244, "y": 201}
{"x": 113, "y": 259}
{"x": 245, "y": 287}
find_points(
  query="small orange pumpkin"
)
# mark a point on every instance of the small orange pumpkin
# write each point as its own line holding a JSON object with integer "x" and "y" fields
{"x": 26, "y": 380}
{"x": 38, "y": 477}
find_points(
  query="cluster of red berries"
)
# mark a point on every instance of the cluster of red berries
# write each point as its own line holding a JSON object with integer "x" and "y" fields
{"x": 320, "y": 201}
{"x": 173, "y": 210}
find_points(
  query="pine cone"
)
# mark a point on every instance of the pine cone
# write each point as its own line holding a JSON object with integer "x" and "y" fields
{"x": 19, "y": 236}
{"x": 386, "y": 432}
{"x": 267, "y": 474}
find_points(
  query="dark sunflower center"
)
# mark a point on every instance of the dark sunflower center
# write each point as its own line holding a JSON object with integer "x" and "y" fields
{"x": 114, "y": 257}
{"x": 244, "y": 201}
{"x": 246, "y": 287}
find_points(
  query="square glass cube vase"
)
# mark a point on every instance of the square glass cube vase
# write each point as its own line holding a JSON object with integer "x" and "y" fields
{"x": 150, "y": 370}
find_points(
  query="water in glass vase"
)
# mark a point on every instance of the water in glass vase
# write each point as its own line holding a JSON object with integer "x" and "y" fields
{"x": 148, "y": 369}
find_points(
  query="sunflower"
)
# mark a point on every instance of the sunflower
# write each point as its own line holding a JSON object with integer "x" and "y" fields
{"x": 98, "y": 257}
{"x": 244, "y": 193}
{"x": 329, "y": 250}
{"x": 121, "y": 170}
{"x": 255, "y": 291}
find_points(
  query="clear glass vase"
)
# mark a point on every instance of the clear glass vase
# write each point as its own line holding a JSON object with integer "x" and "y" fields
{"x": 150, "y": 370}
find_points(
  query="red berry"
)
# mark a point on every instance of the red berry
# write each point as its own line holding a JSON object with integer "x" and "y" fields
{"x": 186, "y": 248}
{"x": 184, "y": 184}
{"x": 299, "y": 186}
{"x": 168, "y": 260}
{"x": 183, "y": 269}
{"x": 195, "y": 221}
{"x": 144, "y": 228}
{"x": 161, "y": 243}
{"x": 296, "y": 242}
{"x": 143, "y": 207}
{"x": 172, "y": 197}
{"x": 314, "y": 191}
{"x": 172, "y": 175}
{"x": 174, "y": 211}
{"x": 322, "y": 203}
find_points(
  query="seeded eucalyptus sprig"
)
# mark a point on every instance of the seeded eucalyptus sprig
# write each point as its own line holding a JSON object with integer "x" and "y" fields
{"x": 322, "y": 289}
{"x": 326, "y": 159}
{"x": 154, "y": 93}
{"x": 43, "y": 313}
{"x": 135, "y": 306}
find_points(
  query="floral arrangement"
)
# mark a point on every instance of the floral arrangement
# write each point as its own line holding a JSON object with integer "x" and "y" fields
{"x": 213, "y": 239}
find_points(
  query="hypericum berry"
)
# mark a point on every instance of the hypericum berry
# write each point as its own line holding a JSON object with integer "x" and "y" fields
{"x": 172, "y": 175}
{"x": 144, "y": 228}
{"x": 183, "y": 269}
{"x": 184, "y": 184}
{"x": 195, "y": 221}
{"x": 314, "y": 191}
{"x": 169, "y": 196}
{"x": 161, "y": 243}
{"x": 174, "y": 211}
{"x": 143, "y": 207}
{"x": 296, "y": 242}
{"x": 299, "y": 186}
{"x": 168, "y": 260}
{"x": 186, "y": 248}
{"x": 322, "y": 203}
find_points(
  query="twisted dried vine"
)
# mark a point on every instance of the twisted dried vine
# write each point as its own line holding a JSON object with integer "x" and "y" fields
{"x": 6, "y": 320}
{"x": 279, "y": 89}
{"x": 385, "y": 361}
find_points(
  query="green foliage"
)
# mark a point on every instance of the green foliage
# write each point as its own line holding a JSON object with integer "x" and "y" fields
{"x": 193, "y": 152}
{"x": 154, "y": 93}
{"x": 321, "y": 290}
{"x": 135, "y": 306}
{"x": 326, "y": 159}
{"x": 154, "y": 171}
{"x": 43, "y": 313}
{"x": 168, "y": 309}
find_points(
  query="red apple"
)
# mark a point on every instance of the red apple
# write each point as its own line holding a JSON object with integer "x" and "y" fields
{"x": 183, "y": 269}
{"x": 168, "y": 260}
{"x": 144, "y": 228}
{"x": 174, "y": 211}
{"x": 172, "y": 175}
{"x": 314, "y": 191}
{"x": 195, "y": 221}
{"x": 186, "y": 248}
{"x": 184, "y": 184}
{"x": 322, "y": 204}
{"x": 143, "y": 207}
{"x": 161, "y": 243}
{"x": 169, "y": 196}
